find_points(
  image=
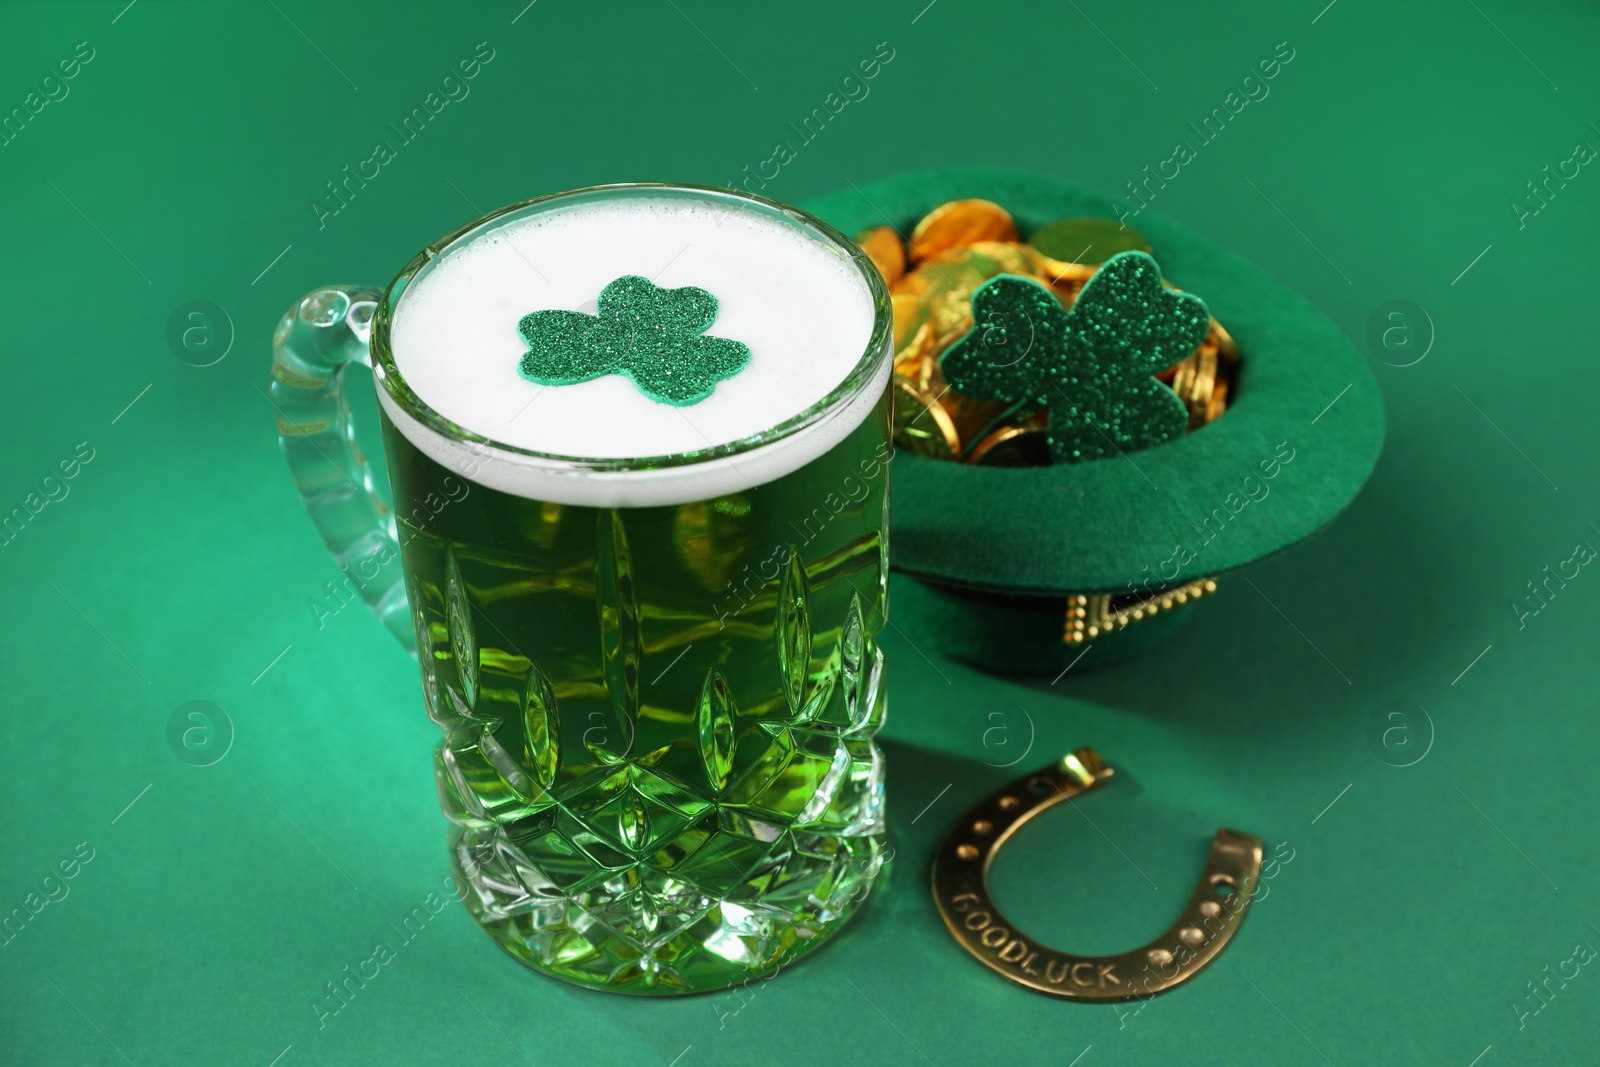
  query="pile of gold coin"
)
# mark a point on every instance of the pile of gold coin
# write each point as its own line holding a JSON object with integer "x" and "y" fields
{"x": 953, "y": 250}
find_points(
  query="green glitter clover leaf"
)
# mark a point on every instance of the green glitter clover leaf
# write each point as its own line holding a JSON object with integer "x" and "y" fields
{"x": 651, "y": 335}
{"x": 1093, "y": 366}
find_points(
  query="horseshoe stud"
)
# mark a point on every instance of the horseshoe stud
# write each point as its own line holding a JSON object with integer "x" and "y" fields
{"x": 961, "y": 889}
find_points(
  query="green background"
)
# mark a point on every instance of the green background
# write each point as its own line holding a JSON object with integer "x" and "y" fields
{"x": 1381, "y": 166}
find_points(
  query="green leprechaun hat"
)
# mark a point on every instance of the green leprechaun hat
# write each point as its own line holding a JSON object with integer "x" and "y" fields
{"x": 1074, "y": 506}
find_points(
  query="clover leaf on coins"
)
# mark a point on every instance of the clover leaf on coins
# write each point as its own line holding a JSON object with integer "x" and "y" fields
{"x": 654, "y": 336}
{"x": 1093, "y": 366}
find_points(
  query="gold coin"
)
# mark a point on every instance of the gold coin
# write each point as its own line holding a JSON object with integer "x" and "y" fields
{"x": 1181, "y": 377}
{"x": 1057, "y": 272}
{"x": 933, "y": 280}
{"x": 1066, "y": 291}
{"x": 1068, "y": 245}
{"x": 1012, "y": 446}
{"x": 1223, "y": 340}
{"x": 1219, "y": 400}
{"x": 916, "y": 361}
{"x": 950, "y": 317}
{"x": 933, "y": 382}
{"x": 1204, "y": 384}
{"x": 958, "y": 223}
{"x": 970, "y": 415}
{"x": 883, "y": 247}
{"x": 911, "y": 284}
{"x": 920, "y": 424}
{"x": 910, "y": 312}
{"x": 990, "y": 258}
{"x": 950, "y": 279}
{"x": 946, "y": 289}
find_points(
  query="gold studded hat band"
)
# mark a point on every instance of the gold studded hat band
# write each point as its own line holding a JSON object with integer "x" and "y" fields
{"x": 1090, "y": 615}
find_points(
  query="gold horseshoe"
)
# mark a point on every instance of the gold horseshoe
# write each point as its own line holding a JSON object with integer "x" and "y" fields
{"x": 961, "y": 889}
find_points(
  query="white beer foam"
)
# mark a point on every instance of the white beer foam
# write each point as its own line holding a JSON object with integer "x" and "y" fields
{"x": 796, "y": 300}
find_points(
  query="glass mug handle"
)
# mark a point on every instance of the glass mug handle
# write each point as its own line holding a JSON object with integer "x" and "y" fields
{"x": 323, "y": 333}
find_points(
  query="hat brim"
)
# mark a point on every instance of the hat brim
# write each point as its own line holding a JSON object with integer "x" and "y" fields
{"x": 1216, "y": 499}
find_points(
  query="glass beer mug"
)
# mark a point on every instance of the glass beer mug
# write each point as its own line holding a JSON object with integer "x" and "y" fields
{"x": 652, "y": 650}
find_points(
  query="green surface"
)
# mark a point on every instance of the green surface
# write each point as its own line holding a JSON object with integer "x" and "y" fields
{"x": 1157, "y": 516}
{"x": 1416, "y": 907}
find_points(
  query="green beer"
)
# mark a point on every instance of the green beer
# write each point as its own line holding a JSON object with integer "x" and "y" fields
{"x": 650, "y": 746}
{"x": 656, "y": 669}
